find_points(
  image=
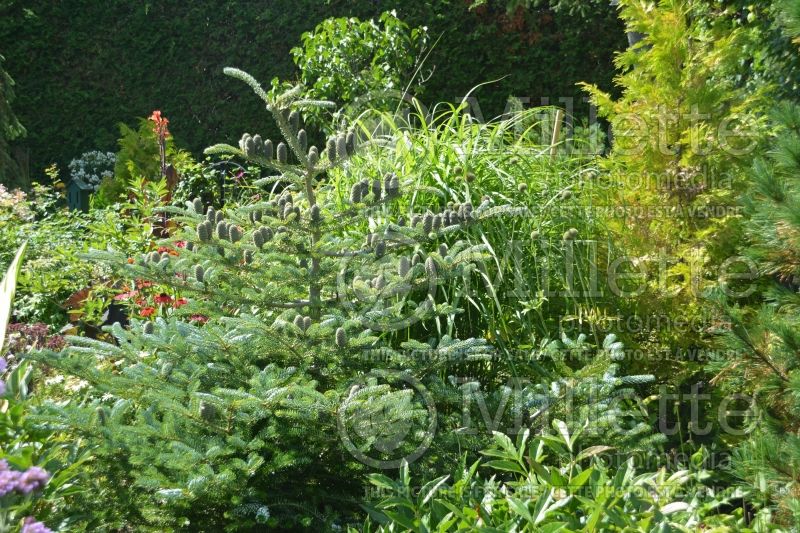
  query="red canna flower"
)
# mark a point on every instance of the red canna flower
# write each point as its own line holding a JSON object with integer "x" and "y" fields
{"x": 161, "y": 131}
{"x": 160, "y": 124}
{"x": 147, "y": 311}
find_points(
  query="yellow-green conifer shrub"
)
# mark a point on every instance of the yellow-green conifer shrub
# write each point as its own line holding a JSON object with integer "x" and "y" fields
{"x": 684, "y": 131}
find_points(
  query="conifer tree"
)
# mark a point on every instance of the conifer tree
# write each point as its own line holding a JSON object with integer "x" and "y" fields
{"x": 763, "y": 343}
{"x": 762, "y": 335}
{"x": 230, "y": 409}
{"x": 10, "y": 128}
{"x": 683, "y": 131}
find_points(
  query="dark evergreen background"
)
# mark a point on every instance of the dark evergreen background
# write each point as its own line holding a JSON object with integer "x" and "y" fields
{"x": 82, "y": 66}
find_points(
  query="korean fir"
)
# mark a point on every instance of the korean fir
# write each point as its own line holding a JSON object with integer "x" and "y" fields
{"x": 228, "y": 412}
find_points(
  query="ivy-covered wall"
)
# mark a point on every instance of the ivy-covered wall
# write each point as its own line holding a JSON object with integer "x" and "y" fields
{"x": 83, "y": 66}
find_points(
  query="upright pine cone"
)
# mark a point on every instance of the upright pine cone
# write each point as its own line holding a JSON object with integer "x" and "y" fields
{"x": 341, "y": 338}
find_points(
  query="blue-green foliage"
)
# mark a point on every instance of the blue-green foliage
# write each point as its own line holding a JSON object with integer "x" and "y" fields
{"x": 220, "y": 419}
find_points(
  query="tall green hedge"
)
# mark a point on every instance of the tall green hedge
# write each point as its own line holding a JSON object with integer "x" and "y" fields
{"x": 83, "y": 66}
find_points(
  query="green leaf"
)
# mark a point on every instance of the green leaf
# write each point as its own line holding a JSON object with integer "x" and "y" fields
{"x": 379, "y": 480}
{"x": 674, "y": 507}
{"x": 471, "y": 471}
{"x": 579, "y": 480}
{"x": 447, "y": 522}
{"x": 396, "y": 501}
{"x": 542, "y": 506}
{"x": 540, "y": 469}
{"x": 553, "y": 442}
{"x": 597, "y": 513}
{"x": 592, "y": 451}
{"x": 17, "y": 381}
{"x": 430, "y": 488}
{"x": 502, "y": 440}
{"x": 521, "y": 508}
{"x": 556, "y": 479}
{"x": 405, "y": 477}
{"x": 552, "y": 527}
{"x": 564, "y": 431}
{"x": 454, "y": 508}
{"x": 7, "y": 290}
{"x": 522, "y": 441}
{"x": 508, "y": 466}
{"x": 402, "y": 519}
{"x": 376, "y": 515}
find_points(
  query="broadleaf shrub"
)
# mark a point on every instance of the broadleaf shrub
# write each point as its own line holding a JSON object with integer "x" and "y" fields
{"x": 346, "y": 59}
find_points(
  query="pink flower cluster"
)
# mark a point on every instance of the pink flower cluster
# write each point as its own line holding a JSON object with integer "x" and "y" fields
{"x": 25, "y": 482}
{"x": 15, "y": 202}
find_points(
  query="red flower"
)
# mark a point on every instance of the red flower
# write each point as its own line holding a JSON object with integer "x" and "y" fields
{"x": 143, "y": 284}
{"x": 199, "y": 318}
{"x": 126, "y": 295}
{"x": 160, "y": 126}
{"x": 170, "y": 251}
{"x": 181, "y": 244}
{"x": 163, "y": 298}
{"x": 180, "y": 302}
{"x": 147, "y": 311}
